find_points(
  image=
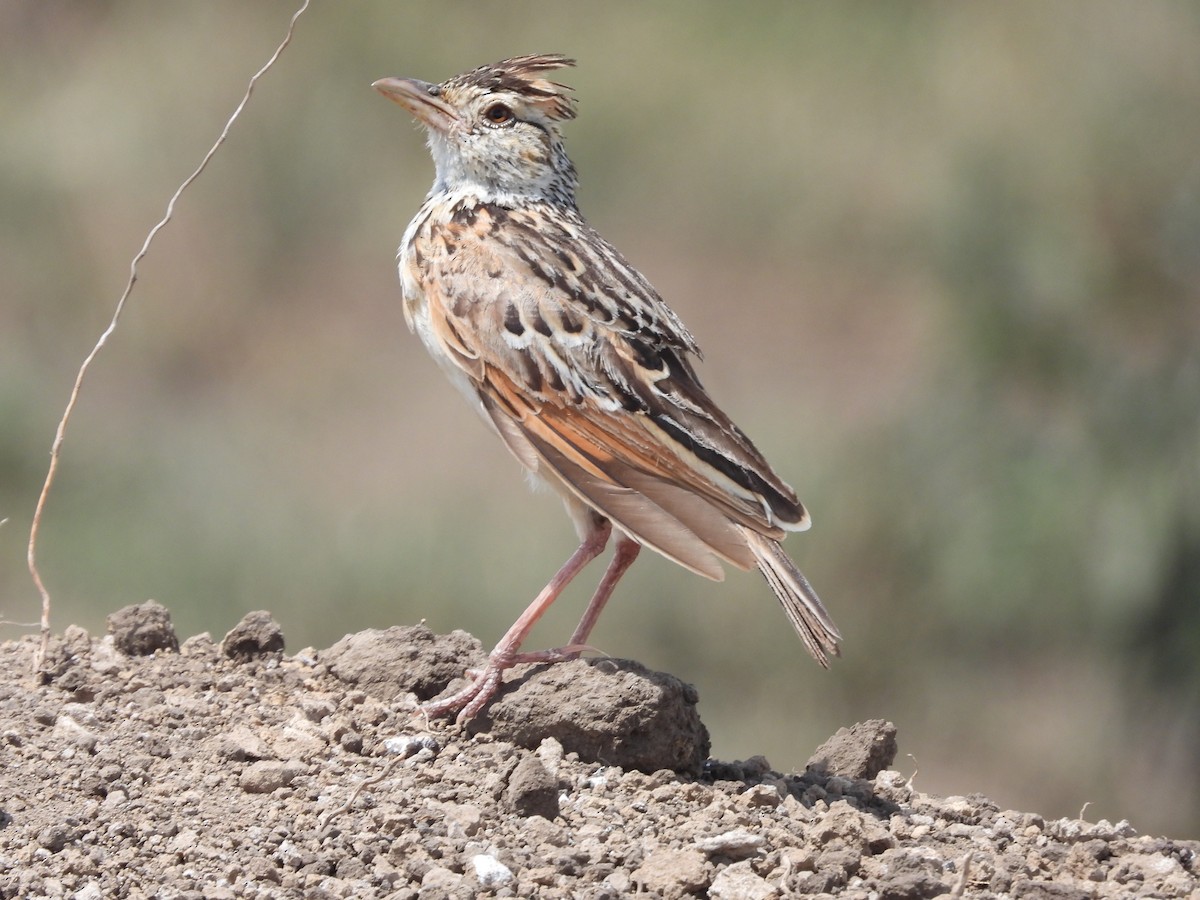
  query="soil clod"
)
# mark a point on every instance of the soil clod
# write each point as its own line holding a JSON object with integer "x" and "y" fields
{"x": 860, "y": 751}
{"x": 256, "y": 635}
{"x": 141, "y": 629}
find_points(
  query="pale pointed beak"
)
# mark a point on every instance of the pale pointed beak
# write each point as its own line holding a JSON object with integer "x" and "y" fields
{"x": 417, "y": 97}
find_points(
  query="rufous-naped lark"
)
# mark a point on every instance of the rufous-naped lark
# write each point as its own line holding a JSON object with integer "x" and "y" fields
{"x": 570, "y": 354}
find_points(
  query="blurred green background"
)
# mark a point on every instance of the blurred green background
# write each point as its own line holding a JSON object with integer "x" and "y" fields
{"x": 944, "y": 260}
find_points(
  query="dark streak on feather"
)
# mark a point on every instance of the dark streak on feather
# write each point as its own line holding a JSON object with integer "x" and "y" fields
{"x": 570, "y": 324}
{"x": 748, "y": 479}
{"x": 512, "y": 320}
{"x": 464, "y": 215}
{"x": 647, "y": 357}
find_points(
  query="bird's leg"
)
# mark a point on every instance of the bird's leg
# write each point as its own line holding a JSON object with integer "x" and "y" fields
{"x": 475, "y": 696}
{"x": 626, "y": 552}
{"x": 623, "y": 556}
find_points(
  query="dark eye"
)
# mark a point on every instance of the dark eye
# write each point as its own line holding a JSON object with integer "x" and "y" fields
{"x": 498, "y": 114}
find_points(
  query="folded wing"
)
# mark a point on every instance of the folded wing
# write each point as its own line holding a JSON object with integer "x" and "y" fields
{"x": 586, "y": 375}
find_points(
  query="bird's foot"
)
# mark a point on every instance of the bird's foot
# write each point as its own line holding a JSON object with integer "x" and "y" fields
{"x": 485, "y": 682}
{"x": 557, "y": 654}
{"x": 471, "y": 700}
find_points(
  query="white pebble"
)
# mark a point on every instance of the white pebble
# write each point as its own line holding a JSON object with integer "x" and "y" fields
{"x": 731, "y": 843}
{"x": 490, "y": 871}
{"x": 410, "y": 744}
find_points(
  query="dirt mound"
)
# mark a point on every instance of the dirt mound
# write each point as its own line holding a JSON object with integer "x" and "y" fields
{"x": 233, "y": 770}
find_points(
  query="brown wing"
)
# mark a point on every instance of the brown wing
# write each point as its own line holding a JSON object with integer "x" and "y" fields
{"x": 585, "y": 373}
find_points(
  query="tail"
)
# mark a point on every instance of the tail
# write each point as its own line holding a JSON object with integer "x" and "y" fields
{"x": 801, "y": 603}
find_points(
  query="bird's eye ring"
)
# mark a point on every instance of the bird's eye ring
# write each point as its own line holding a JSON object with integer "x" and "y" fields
{"x": 498, "y": 114}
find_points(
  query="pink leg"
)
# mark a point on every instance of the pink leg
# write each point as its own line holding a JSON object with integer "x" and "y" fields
{"x": 475, "y": 696}
{"x": 623, "y": 557}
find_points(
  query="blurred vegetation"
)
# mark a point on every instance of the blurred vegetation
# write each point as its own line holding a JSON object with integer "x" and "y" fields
{"x": 944, "y": 260}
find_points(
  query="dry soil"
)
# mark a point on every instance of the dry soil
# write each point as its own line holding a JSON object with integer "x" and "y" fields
{"x": 136, "y": 766}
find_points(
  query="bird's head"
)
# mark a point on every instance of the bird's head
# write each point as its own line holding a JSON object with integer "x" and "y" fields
{"x": 494, "y": 130}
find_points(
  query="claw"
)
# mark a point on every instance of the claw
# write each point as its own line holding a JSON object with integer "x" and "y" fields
{"x": 471, "y": 700}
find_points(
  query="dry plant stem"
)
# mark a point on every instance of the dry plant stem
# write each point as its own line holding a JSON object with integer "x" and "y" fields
{"x": 362, "y": 785}
{"x": 56, "y": 447}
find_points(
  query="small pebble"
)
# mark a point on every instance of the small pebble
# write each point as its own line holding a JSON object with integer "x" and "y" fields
{"x": 265, "y": 776}
{"x": 734, "y": 844}
{"x": 409, "y": 744}
{"x": 490, "y": 871}
{"x": 740, "y": 882}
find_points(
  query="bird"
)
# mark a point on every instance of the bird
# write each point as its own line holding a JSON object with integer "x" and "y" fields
{"x": 576, "y": 362}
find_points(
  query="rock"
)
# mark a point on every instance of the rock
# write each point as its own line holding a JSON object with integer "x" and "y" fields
{"x": 265, "y": 776}
{"x": 70, "y": 732}
{"x": 731, "y": 844}
{"x": 439, "y": 881}
{"x": 256, "y": 635}
{"x": 411, "y": 744}
{"x": 609, "y": 710}
{"x": 197, "y": 645}
{"x": 855, "y": 828}
{"x": 860, "y": 751}
{"x": 316, "y": 710}
{"x": 490, "y": 872}
{"x": 242, "y": 744}
{"x": 1041, "y": 890}
{"x": 672, "y": 873}
{"x": 142, "y": 629}
{"x": 740, "y": 882}
{"x": 403, "y": 660}
{"x": 532, "y": 790}
{"x": 299, "y": 739}
{"x": 55, "y": 837}
{"x": 262, "y": 869}
{"x": 550, "y": 752}
{"x": 76, "y": 641}
{"x": 761, "y": 796}
{"x": 106, "y": 659}
{"x": 462, "y": 819}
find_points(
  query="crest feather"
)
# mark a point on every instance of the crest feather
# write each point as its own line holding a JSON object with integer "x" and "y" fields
{"x": 522, "y": 75}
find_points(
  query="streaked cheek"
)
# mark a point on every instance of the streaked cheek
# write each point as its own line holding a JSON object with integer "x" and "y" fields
{"x": 535, "y": 156}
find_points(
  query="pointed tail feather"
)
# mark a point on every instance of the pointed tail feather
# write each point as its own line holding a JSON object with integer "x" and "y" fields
{"x": 801, "y": 603}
